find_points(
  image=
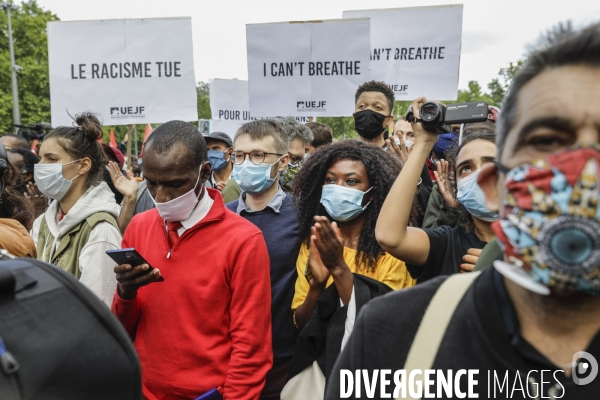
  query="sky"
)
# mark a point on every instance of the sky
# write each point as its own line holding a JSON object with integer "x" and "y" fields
{"x": 494, "y": 32}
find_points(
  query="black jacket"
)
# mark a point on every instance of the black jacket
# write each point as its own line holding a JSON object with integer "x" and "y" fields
{"x": 321, "y": 338}
{"x": 483, "y": 334}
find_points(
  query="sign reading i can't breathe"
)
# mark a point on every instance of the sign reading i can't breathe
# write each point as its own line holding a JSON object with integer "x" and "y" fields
{"x": 230, "y": 106}
{"x": 416, "y": 51}
{"x": 304, "y": 68}
{"x": 132, "y": 71}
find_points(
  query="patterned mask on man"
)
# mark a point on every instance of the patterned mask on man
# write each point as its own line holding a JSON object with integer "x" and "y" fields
{"x": 550, "y": 226}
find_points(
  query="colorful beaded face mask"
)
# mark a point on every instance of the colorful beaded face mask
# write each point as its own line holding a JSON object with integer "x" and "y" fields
{"x": 551, "y": 222}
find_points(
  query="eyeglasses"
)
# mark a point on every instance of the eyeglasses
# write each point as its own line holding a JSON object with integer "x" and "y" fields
{"x": 256, "y": 157}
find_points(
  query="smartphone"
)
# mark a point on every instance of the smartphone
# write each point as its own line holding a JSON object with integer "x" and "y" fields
{"x": 129, "y": 256}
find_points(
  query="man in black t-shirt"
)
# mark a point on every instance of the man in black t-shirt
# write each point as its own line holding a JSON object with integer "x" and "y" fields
{"x": 529, "y": 325}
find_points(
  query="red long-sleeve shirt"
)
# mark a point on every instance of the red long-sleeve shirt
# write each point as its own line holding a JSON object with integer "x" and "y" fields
{"x": 209, "y": 323}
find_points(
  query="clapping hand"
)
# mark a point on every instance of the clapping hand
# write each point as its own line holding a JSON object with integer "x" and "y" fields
{"x": 329, "y": 243}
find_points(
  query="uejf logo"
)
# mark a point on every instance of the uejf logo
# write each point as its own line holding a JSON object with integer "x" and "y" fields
{"x": 585, "y": 368}
{"x": 311, "y": 105}
{"x": 127, "y": 112}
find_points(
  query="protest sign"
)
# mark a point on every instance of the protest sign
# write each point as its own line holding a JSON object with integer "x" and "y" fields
{"x": 133, "y": 71}
{"x": 305, "y": 68}
{"x": 230, "y": 106}
{"x": 416, "y": 50}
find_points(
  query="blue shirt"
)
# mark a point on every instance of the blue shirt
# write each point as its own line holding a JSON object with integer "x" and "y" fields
{"x": 279, "y": 225}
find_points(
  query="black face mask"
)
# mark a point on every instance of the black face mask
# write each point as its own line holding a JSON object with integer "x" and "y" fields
{"x": 368, "y": 123}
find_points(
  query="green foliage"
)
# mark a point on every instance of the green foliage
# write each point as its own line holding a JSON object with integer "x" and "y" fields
{"x": 31, "y": 53}
{"x": 473, "y": 93}
{"x": 499, "y": 86}
{"x": 342, "y": 127}
{"x": 203, "y": 90}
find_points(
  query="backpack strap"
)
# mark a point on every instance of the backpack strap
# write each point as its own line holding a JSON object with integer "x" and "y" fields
{"x": 101, "y": 216}
{"x": 429, "y": 336}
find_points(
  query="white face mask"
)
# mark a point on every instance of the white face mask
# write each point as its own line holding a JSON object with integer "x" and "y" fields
{"x": 180, "y": 208}
{"x": 51, "y": 181}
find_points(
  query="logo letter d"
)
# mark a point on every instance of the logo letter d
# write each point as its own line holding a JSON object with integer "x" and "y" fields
{"x": 588, "y": 362}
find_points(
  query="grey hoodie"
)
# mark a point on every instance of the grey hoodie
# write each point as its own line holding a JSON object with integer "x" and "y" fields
{"x": 96, "y": 267}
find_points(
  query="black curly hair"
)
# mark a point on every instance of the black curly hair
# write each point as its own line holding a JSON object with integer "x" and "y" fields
{"x": 382, "y": 170}
{"x": 377, "y": 86}
{"x": 12, "y": 204}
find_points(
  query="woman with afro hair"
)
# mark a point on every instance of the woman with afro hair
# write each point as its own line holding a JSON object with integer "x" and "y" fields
{"x": 339, "y": 193}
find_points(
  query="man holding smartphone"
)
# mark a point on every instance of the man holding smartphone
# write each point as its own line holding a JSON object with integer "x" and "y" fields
{"x": 208, "y": 324}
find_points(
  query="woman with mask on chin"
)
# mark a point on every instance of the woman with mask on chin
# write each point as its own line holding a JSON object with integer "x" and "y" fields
{"x": 339, "y": 192}
{"x": 445, "y": 250}
{"x": 81, "y": 223}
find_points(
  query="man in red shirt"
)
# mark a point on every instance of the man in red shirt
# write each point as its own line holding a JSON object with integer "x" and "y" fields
{"x": 200, "y": 313}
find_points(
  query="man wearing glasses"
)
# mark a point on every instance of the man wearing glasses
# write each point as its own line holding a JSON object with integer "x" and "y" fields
{"x": 260, "y": 157}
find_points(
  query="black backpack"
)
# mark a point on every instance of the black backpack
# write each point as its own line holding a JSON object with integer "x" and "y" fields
{"x": 58, "y": 340}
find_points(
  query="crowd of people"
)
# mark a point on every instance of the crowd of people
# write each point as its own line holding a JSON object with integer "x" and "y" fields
{"x": 279, "y": 260}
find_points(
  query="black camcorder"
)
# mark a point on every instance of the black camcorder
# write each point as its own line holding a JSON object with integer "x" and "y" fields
{"x": 437, "y": 117}
{"x": 34, "y": 131}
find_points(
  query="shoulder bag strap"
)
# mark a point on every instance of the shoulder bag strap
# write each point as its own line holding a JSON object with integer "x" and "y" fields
{"x": 429, "y": 336}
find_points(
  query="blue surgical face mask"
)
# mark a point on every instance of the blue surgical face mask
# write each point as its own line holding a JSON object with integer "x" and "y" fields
{"x": 471, "y": 196}
{"x": 343, "y": 203}
{"x": 217, "y": 160}
{"x": 254, "y": 179}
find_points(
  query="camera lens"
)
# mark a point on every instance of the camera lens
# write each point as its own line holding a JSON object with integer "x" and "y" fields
{"x": 429, "y": 111}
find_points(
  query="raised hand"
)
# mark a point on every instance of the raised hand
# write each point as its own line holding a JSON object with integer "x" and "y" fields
{"x": 443, "y": 181}
{"x": 400, "y": 150}
{"x": 126, "y": 185}
{"x": 422, "y": 135}
{"x": 36, "y": 199}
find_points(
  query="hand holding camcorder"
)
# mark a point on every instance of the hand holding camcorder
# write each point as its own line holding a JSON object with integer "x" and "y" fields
{"x": 437, "y": 117}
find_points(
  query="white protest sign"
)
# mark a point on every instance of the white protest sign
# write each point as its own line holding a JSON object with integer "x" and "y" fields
{"x": 295, "y": 69}
{"x": 416, "y": 50}
{"x": 230, "y": 107}
{"x": 133, "y": 71}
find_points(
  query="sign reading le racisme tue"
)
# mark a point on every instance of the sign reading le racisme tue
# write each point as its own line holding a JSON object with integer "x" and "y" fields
{"x": 416, "y": 50}
{"x": 132, "y": 71}
{"x": 307, "y": 68}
